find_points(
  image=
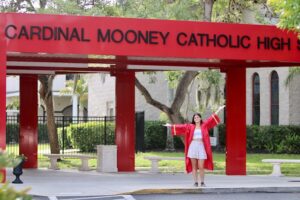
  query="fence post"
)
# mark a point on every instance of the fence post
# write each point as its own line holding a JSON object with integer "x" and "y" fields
{"x": 105, "y": 130}
{"x": 63, "y": 134}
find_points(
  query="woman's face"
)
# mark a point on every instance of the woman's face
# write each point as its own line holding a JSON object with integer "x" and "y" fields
{"x": 197, "y": 119}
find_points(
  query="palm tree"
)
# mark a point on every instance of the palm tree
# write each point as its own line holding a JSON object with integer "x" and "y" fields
{"x": 293, "y": 71}
{"x": 78, "y": 87}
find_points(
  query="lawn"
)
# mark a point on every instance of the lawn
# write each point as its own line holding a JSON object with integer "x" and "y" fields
{"x": 254, "y": 164}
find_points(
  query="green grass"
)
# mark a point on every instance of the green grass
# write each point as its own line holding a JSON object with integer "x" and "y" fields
{"x": 254, "y": 164}
{"x": 14, "y": 148}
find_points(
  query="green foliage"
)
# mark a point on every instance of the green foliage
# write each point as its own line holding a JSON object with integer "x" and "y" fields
{"x": 8, "y": 160}
{"x": 209, "y": 94}
{"x": 43, "y": 133}
{"x": 162, "y": 9}
{"x": 12, "y": 135}
{"x": 64, "y": 137}
{"x": 86, "y": 136}
{"x": 14, "y": 104}
{"x": 174, "y": 77}
{"x": 13, "y": 130}
{"x": 268, "y": 139}
{"x": 231, "y": 11}
{"x": 156, "y": 136}
{"x": 288, "y": 12}
{"x": 7, "y": 192}
{"x": 293, "y": 71}
{"x": 79, "y": 88}
{"x": 254, "y": 164}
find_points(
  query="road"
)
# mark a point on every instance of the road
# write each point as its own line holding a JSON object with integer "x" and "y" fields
{"x": 229, "y": 196}
{"x": 232, "y": 196}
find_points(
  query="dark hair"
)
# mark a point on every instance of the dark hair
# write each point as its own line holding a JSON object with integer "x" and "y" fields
{"x": 201, "y": 121}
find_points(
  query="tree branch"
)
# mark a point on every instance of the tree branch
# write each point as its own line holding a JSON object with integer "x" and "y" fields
{"x": 149, "y": 98}
{"x": 43, "y": 4}
{"x": 31, "y": 5}
{"x": 182, "y": 89}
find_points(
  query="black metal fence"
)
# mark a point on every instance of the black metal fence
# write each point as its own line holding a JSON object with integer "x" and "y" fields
{"x": 75, "y": 134}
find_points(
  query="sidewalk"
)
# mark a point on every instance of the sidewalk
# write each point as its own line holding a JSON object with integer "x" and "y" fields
{"x": 66, "y": 183}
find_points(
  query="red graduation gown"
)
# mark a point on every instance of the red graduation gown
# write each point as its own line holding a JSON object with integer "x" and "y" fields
{"x": 187, "y": 130}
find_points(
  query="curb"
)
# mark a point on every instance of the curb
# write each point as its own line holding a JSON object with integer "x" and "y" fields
{"x": 216, "y": 190}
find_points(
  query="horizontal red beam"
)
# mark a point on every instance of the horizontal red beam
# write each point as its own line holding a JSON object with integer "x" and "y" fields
{"x": 85, "y": 35}
{"x": 148, "y": 62}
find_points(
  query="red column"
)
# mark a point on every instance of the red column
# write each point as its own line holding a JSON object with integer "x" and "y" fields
{"x": 125, "y": 120}
{"x": 2, "y": 101}
{"x": 236, "y": 121}
{"x": 28, "y": 119}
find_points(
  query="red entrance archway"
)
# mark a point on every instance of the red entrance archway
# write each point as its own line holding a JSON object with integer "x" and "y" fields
{"x": 34, "y": 44}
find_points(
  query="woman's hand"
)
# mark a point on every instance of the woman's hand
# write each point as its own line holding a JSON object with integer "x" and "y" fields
{"x": 220, "y": 108}
{"x": 167, "y": 125}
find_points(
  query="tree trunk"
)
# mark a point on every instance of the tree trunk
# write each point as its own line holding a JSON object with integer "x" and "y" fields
{"x": 46, "y": 95}
{"x": 172, "y": 112}
{"x": 208, "y": 6}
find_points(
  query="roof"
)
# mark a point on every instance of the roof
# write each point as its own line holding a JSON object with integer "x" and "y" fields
{"x": 61, "y": 44}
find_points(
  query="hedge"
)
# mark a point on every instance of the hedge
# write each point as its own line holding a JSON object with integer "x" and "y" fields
{"x": 156, "y": 136}
{"x": 86, "y": 136}
{"x": 12, "y": 135}
{"x": 268, "y": 139}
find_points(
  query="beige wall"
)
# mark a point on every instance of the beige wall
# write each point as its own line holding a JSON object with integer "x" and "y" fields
{"x": 289, "y": 106}
{"x": 284, "y": 97}
{"x": 294, "y": 105}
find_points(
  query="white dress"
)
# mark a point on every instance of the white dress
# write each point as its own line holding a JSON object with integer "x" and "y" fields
{"x": 196, "y": 148}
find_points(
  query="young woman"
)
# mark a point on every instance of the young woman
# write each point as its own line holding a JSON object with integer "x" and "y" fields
{"x": 198, "y": 154}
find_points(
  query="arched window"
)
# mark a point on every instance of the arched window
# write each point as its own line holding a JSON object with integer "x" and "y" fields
{"x": 274, "y": 98}
{"x": 255, "y": 99}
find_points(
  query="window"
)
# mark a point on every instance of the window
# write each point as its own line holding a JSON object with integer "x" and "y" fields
{"x": 255, "y": 99}
{"x": 69, "y": 77}
{"x": 274, "y": 98}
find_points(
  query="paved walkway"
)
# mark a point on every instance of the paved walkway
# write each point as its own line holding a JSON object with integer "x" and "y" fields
{"x": 67, "y": 183}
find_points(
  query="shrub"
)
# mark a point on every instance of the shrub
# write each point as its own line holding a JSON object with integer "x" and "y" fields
{"x": 12, "y": 135}
{"x": 64, "y": 137}
{"x": 85, "y": 136}
{"x": 268, "y": 139}
{"x": 155, "y": 135}
{"x": 7, "y": 192}
{"x": 13, "y": 130}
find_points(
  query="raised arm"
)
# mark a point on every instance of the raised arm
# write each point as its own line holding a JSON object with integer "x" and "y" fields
{"x": 177, "y": 129}
{"x": 214, "y": 119}
{"x": 219, "y": 109}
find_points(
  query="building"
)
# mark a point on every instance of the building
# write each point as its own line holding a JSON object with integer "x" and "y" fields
{"x": 261, "y": 108}
{"x": 63, "y": 103}
{"x": 268, "y": 100}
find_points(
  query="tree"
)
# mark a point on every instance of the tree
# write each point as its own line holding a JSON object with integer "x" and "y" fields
{"x": 47, "y": 96}
{"x": 288, "y": 12}
{"x": 14, "y": 104}
{"x": 61, "y": 7}
{"x": 293, "y": 72}
{"x": 77, "y": 86}
{"x": 225, "y": 11}
{"x": 188, "y": 10}
{"x": 7, "y": 192}
{"x": 45, "y": 80}
{"x": 163, "y": 9}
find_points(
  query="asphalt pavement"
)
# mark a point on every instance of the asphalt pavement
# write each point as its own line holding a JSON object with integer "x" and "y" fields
{"x": 46, "y": 182}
